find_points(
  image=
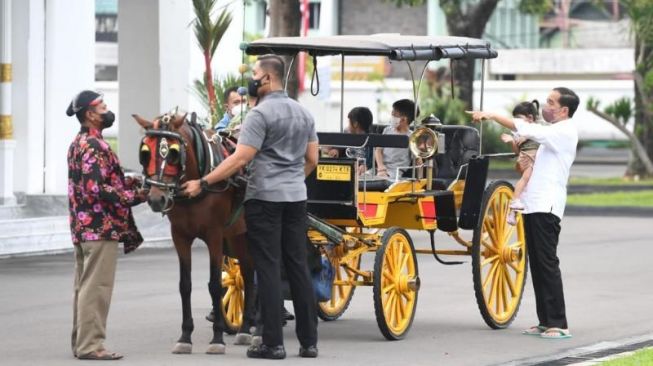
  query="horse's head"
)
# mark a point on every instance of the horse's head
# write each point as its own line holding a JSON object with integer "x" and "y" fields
{"x": 163, "y": 155}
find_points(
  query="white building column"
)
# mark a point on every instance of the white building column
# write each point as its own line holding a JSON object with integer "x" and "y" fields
{"x": 7, "y": 142}
{"x": 437, "y": 21}
{"x": 70, "y": 68}
{"x": 154, "y": 43}
{"x": 28, "y": 53}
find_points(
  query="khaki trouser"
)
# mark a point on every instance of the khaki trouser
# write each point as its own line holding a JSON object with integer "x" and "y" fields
{"x": 95, "y": 270}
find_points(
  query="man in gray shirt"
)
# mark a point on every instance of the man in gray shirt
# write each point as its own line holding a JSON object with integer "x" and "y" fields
{"x": 278, "y": 136}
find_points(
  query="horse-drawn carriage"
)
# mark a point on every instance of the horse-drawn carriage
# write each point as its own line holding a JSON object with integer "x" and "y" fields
{"x": 350, "y": 215}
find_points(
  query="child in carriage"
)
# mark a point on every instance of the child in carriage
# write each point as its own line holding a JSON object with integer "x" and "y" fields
{"x": 526, "y": 150}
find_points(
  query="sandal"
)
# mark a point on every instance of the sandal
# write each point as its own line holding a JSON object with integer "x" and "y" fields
{"x": 534, "y": 330}
{"x": 556, "y": 333}
{"x": 103, "y": 355}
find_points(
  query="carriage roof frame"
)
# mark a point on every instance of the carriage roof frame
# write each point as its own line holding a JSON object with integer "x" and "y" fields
{"x": 392, "y": 45}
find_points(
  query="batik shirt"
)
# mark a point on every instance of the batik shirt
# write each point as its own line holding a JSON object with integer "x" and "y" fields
{"x": 99, "y": 196}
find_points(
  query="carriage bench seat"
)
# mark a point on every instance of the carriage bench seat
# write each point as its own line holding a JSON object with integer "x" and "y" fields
{"x": 372, "y": 140}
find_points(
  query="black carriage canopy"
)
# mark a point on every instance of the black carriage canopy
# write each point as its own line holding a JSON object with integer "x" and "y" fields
{"x": 394, "y": 46}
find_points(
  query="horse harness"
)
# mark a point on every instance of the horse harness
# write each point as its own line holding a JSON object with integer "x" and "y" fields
{"x": 171, "y": 147}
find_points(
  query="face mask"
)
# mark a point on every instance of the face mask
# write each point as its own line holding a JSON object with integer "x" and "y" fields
{"x": 237, "y": 109}
{"x": 395, "y": 121}
{"x": 548, "y": 114}
{"x": 252, "y": 87}
{"x": 107, "y": 119}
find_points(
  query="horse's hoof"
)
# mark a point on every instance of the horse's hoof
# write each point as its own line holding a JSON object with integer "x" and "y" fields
{"x": 182, "y": 348}
{"x": 257, "y": 341}
{"x": 216, "y": 349}
{"x": 243, "y": 339}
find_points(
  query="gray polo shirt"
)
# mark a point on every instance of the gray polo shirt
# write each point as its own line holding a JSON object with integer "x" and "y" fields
{"x": 394, "y": 158}
{"x": 280, "y": 129}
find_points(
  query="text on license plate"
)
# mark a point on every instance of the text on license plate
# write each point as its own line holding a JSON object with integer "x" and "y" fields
{"x": 334, "y": 172}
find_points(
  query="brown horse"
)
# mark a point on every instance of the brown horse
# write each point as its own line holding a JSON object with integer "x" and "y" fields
{"x": 175, "y": 150}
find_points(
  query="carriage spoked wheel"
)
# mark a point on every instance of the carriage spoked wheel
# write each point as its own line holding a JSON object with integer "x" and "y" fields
{"x": 498, "y": 258}
{"x": 341, "y": 295}
{"x": 396, "y": 283}
{"x": 233, "y": 298}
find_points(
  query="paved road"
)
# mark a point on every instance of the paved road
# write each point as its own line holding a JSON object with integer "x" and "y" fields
{"x": 606, "y": 264}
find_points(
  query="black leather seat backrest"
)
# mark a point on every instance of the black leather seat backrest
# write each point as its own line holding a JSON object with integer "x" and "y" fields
{"x": 374, "y": 128}
{"x": 370, "y": 140}
{"x": 461, "y": 143}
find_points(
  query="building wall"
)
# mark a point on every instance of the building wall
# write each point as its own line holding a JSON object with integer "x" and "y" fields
{"x": 377, "y": 16}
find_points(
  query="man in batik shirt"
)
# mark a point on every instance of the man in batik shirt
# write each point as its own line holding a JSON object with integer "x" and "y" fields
{"x": 100, "y": 200}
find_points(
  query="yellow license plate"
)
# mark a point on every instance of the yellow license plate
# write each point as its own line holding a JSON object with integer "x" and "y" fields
{"x": 334, "y": 172}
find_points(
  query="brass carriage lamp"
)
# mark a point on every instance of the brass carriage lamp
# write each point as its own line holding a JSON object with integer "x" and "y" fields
{"x": 423, "y": 144}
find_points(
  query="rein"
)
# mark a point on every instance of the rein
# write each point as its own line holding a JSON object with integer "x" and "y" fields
{"x": 200, "y": 140}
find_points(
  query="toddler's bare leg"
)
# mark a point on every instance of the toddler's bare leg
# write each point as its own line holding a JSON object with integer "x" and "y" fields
{"x": 522, "y": 182}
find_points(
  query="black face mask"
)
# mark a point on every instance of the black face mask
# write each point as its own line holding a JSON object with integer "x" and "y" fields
{"x": 252, "y": 87}
{"x": 107, "y": 119}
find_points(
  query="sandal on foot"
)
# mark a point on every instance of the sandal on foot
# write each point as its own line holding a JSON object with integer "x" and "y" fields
{"x": 534, "y": 330}
{"x": 103, "y": 355}
{"x": 516, "y": 205}
{"x": 556, "y": 333}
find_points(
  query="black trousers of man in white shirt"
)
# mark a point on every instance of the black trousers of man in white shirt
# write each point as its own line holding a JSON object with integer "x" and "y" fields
{"x": 542, "y": 231}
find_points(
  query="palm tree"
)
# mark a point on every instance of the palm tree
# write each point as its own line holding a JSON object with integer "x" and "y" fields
{"x": 209, "y": 33}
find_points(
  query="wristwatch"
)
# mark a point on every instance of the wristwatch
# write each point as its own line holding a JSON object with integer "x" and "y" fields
{"x": 204, "y": 184}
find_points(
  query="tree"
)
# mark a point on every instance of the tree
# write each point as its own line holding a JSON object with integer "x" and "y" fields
{"x": 640, "y": 13}
{"x": 468, "y": 19}
{"x": 209, "y": 33}
{"x": 285, "y": 20}
{"x": 618, "y": 114}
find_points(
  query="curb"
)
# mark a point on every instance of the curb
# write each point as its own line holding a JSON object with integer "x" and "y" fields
{"x": 586, "y": 188}
{"x": 586, "y": 354}
{"x": 615, "y": 211}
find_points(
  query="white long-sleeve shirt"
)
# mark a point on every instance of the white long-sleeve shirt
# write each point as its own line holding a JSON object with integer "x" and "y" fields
{"x": 546, "y": 190}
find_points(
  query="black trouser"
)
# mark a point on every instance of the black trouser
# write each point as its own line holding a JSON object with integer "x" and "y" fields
{"x": 542, "y": 231}
{"x": 276, "y": 231}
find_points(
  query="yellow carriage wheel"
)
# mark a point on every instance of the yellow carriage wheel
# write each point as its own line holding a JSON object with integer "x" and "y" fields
{"x": 396, "y": 283}
{"x": 498, "y": 258}
{"x": 341, "y": 295}
{"x": 233, "y": 295}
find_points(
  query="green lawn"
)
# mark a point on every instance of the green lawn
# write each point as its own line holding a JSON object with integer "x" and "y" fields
{"x": 113, "y": 142}
{"x": 640, "y": 358}
{"x": 632, "y": 199}
{"x": 502, "y": 164}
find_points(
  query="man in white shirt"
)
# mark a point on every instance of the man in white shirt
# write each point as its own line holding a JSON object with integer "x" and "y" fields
{"x": 544, "y": 200}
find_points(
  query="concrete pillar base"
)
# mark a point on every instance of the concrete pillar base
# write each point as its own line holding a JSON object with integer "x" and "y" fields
{"x": 7, "y": 148}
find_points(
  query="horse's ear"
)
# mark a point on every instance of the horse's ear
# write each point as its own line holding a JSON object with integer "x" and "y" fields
{"x": 143, "y": 122}
{"x": 178, "y": 121}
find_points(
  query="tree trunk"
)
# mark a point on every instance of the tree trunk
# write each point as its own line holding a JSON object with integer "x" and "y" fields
{"x": 285, "y": 20}
{"x": 470, "y": 23}
{"x": 643, "y": 117}
{"x": 210, "y": 89}
{"x": 639, "y": 151}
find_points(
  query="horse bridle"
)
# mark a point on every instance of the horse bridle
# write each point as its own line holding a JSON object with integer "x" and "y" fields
{"x": 163, "y": 149}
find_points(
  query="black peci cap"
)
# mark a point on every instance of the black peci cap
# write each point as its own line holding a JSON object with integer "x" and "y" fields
{"x": 84, "y": 99}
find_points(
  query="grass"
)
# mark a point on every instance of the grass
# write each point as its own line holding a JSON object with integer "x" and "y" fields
{"x": 113, "y": 142}
{"x": 616, "y": 181}
{"x": 502, "y": 164}
{"x": 639, "y": 358}
{"x": 613, "y": 199}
